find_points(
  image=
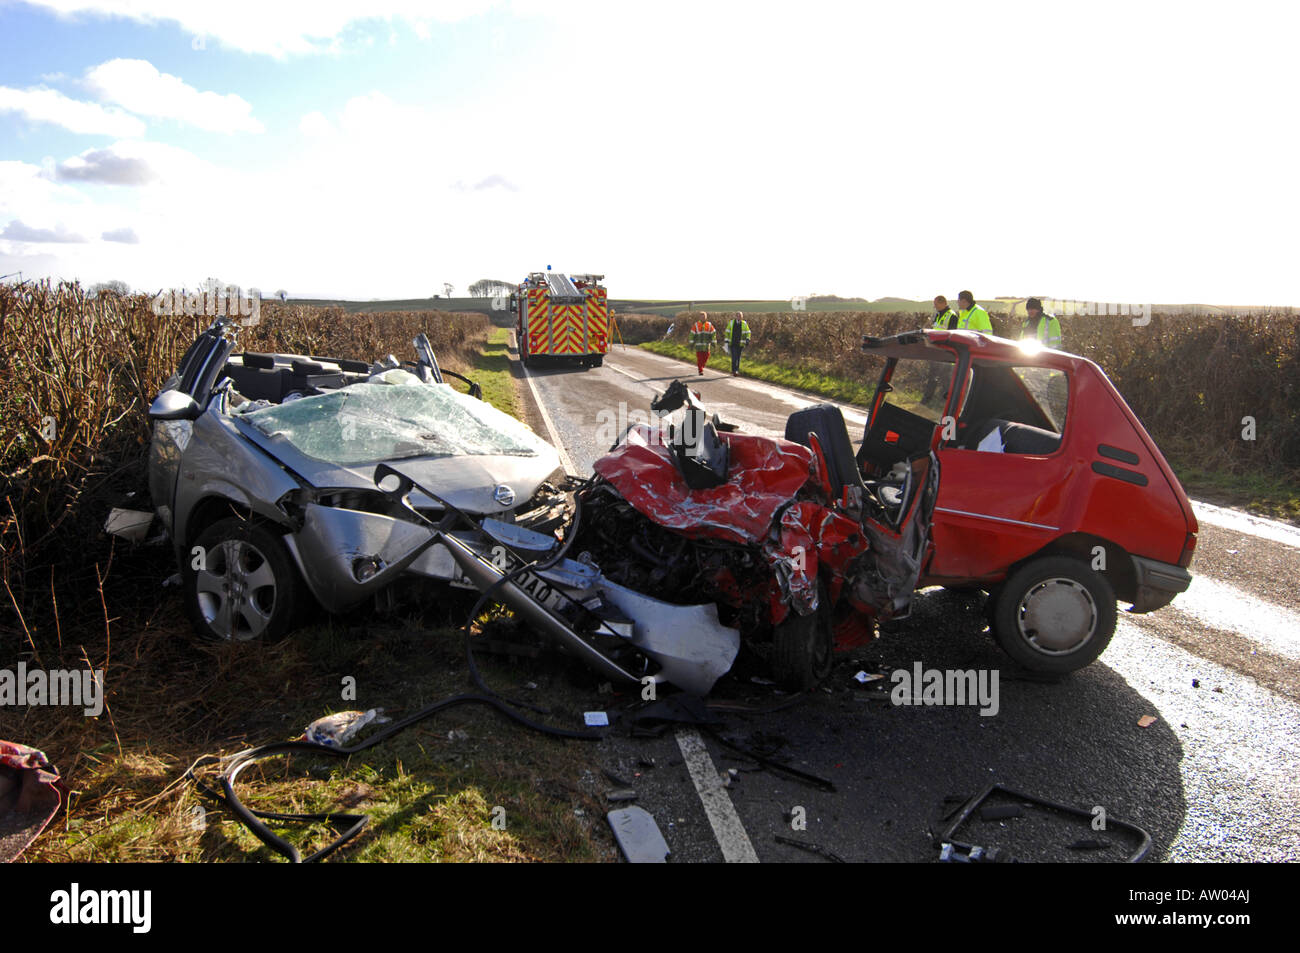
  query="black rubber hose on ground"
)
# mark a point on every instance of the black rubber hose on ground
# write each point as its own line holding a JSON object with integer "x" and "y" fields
{"x": 356, "y": 823}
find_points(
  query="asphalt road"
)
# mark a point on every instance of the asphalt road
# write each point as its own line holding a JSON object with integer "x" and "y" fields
{"x": 1214, "y": 777}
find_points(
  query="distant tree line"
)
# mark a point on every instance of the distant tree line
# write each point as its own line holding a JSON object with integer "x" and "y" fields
{"x": 489, "y": 287}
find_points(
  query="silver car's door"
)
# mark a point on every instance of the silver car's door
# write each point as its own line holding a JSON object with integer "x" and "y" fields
{"x": 195, "y": 376}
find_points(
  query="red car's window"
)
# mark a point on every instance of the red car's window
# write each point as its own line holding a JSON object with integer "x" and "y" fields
{"x": 1014, "y": 409}
{"x": 920, "y": 388}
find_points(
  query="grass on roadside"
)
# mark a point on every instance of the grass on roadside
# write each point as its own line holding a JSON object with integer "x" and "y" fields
{"x": 431, "y": 792}
{"x": 492, "y": 371}
{"x": 1257, "y": 493}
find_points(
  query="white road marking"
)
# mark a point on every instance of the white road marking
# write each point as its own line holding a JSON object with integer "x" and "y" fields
{"x": 546, "y": 419}
{"x": 1221, "y": 606}
{"x": 727, "y": 827}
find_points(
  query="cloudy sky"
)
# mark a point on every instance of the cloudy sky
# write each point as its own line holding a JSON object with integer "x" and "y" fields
{"x": 1128, "y": 152}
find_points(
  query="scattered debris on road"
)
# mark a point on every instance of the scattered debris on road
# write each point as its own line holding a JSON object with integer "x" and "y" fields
{"x": 638, "y": 836}
{"x": 810, "y": 847}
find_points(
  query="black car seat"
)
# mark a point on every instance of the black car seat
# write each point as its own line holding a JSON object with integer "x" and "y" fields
{"x": 827, "y": 422}
{"x": 1016, "y": 438}
{"x": 257, "y": 377}
{"x": 970, "y": 440}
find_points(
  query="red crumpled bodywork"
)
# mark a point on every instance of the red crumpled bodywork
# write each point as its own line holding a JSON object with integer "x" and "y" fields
{"x": 756, "y": 506}
{"x": 765, "y": 474}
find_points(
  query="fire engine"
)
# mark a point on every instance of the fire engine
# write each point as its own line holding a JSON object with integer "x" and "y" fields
{"x": 558, "y": 316}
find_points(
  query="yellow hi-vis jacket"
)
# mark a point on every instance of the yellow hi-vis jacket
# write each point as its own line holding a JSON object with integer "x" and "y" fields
{"x": 941, "y": 321}
{"x": 976, "y": 319}
{"x": 1048, "y": 332}
{"x": 744, "y": 332}
{"x": 702, "y": 335}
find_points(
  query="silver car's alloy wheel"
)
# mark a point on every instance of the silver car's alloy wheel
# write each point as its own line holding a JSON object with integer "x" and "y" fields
{"x": 236, "y": 591}
{"x": 1057, "y": 616}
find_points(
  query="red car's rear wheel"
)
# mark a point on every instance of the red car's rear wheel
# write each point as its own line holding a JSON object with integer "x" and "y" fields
{"x": 1055, "y": 615}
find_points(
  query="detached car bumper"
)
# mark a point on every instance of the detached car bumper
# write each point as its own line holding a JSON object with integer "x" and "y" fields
{"x": 1156, "y": 584}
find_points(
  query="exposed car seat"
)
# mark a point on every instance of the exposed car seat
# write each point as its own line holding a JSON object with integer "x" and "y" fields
{"x": 257, "y": 382}
{"x": 1016, "y": 438}
{"x": 827, "y": 422}
{"x": 305, "y": 376}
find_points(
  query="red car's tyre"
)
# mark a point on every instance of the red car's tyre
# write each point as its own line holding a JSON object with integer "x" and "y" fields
{"x": 803, "y": 646}
{"x": 1054, "y": 615}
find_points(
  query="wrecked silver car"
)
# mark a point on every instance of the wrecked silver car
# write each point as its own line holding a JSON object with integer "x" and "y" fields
{"x": 262, "y": 466}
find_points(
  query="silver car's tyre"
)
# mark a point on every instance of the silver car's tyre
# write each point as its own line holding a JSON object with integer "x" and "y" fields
{"x": 1054, "y": 615}
{"x": 240, "y": 583}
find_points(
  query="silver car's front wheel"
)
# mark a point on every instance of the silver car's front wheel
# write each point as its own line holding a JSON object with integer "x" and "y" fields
{"x": 241, "y": 584}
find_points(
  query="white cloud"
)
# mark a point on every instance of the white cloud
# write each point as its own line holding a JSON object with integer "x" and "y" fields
{"x": 16, "y": 231}
{"x": 130, "y": 163}
{"x": 493, "y": 181}
{"x": 279, "y": 28}
{"x": 49, "y": 105}
{"x": 125, "y": 236}
{"x": 29, "y": 192}
{"x": 315, "y": 124}
{"x": 138, "y": 86}
{"x": 105, "y": 167}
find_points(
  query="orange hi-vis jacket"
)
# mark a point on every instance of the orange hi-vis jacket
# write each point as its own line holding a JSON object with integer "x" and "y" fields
{"x": 702, "y": 335}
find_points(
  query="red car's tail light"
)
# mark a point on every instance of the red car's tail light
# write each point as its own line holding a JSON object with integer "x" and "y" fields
{"x": 1189, "y": 547}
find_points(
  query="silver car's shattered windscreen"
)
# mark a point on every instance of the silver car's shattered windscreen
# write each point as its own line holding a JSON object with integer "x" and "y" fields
{"x": 369, "y": 422}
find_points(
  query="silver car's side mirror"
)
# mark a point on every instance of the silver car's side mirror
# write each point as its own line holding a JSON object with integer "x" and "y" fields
{"x": 173, "y": 405}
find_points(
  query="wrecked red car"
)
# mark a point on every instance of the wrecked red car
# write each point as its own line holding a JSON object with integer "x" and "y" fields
{"x": 1054, "y": 497}
{"x": 984, "y": 464}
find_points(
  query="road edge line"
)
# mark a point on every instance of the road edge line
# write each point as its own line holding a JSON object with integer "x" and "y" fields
{"x": 554, "y": 434}
{"x": 728, "y": 830}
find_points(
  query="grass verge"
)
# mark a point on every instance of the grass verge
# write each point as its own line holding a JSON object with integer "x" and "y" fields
{"x": 432, "y": 793}
{"x": 1257, "y": 493}
{"x": 492, "y": 371}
